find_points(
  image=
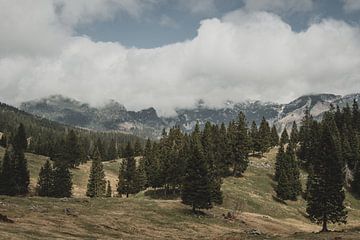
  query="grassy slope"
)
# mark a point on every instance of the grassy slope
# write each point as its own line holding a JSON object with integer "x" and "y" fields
{"x": 143, "y": 218}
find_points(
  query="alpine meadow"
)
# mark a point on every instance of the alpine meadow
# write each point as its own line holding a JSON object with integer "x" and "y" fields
{"x": 181, "y": 119}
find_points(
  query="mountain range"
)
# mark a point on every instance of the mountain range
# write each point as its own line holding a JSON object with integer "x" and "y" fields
{"x": 113, "y": 116}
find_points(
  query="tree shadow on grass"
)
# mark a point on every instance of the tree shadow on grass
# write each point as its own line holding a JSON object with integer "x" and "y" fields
{"x": 276, "y": 199}
{"x": 162, "y": 194}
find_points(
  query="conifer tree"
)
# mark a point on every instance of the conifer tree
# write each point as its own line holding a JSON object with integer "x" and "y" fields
{"x": 196, "y": 190}
{"x": 307, "y": 137}
{"x": 22, "y": 174}
{"x": 71, "y": 154}
{"x": 284, "y": 137}
{"x": 264, "y": 136}
{"x": 140, "y": 177}
{"x": 356, "y": 116}
{"x": 127, "y": 173}
{"x": 20, "y": 141}
{"x": 294, "y": 172}
{"x": 240, "y": 146}
{"x": 112, "y": 151}
{"x": 221, "y": 151}
{"x": 274, "y": 136}
{"x": 108, "y": 189}
{"x": 101, "y": 148}
{"x": 294, "y": 135}
{"x": 7, "y": 176}
{"x": 325, "y": 193}
{"x": 96, "y": 184}
{"x": 254, "y": 136}
{"x": 279, "y": 164}
{"x": 62, "y": 181}
{"x": 45, "y": 184}
{"x": 138, "y": 151}
{"x": 215, "y": 180}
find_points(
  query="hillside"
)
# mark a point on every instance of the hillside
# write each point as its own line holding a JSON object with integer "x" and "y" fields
{"x": 145, "y": 217}
{"x": 147, "y": 123}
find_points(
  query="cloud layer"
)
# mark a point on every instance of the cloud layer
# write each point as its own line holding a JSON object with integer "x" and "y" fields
{"x": 244, "y": 55}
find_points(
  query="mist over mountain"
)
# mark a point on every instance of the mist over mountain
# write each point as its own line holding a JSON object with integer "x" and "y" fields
{"x": 114, "y": 116}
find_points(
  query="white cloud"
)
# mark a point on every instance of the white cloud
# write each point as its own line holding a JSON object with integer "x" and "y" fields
{"x": 351, "y": 5}
{"x": 279, "y": 6}
{"x": 244, "y": 55}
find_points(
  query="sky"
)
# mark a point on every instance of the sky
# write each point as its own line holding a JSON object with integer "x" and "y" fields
{"x": 168, "y": 54}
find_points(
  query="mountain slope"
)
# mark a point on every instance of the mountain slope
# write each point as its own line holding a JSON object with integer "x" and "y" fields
{"x": 144, "y": 217}
{"x": 147, "y": 123}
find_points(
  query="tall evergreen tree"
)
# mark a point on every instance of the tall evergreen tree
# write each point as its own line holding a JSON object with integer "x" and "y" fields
{"x": 112, "y": 152}
{"x": 96, "y": 184}
{"x": 45, "y": 184}
{"x": 284, "y": 137}
{"x": 22, "y": 174}
{"x": 7, "y": 177}
{"x": 264, "y": 136}
{"x": 127, "y": 173}
{"x": 356, "y": 116}
{"x": 221, "y": 151}
{"x": 274, "y": 136}
{"x": 280, "y": 161}
{"x": 294, "y": 135}
{"x": 196, "y": 190}
{"x": 140, "y": 177}
{"x": 255, "y": 138}
{"x": 138, "y": 151}
{"x": 325, "y": 193}
{"x": 62, "y": 181}
{"x": 240, "y": 144}
{"x": 20, "y": 141}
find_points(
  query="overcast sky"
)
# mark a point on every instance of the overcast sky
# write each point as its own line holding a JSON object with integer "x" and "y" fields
{"x": 171, "y": 53}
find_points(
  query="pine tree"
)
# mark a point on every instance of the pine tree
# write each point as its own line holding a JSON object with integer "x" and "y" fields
{"x": 196, "y": 190}
{"x": 264, "y": 136}
{"x": 280, "y": 158}
{"x": 325, "y": 193}
{"x": 221, "y": 150}
{"x": 101, "y": 148}
{"x": 22, "y": 174}
{"x": 254, "y": 136}
{"x": 7, "y": 177}
{"x": 138, "y": 151}
{"x": 20, "y": 141}
{"x": 284, "y": 137}
{"x": 294, "y": 172}
{"x": 294, "y": 135}
{"x": 215, "y": 180}
{"x": 140, "y": 177}
{"x": 112, "y": 151}
{"x": 72, "y": 154}
{"x": 96, "y": 184}
{"x": 62, "y": 181}
{"x": 108, "y": 189}
{"x": 127, "y": 173}
{"x": 356, "y": 116}
{"x": 240, "y": 144}
{"x": 45, "y": 184}
{"x": 274, "y": 136}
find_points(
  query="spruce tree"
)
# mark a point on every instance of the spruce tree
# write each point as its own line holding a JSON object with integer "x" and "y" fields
{"x": 140, "y": 177}
{"x": 62, "y": 181}
{"x": 138, "y": 151}
{"x": 101, "y": 148}
{"x": 279, "y": 164}
{"x": 325, "y": 193}
{"x": 96, "y": 184}
{"x": 221, "y": 150}
{"x": 127, "y": 173}
{"x": 215, "y": 180}
{"x": 22, "y": 174}
{"x": 112, "y": 151}
{"x": 254, "y": 136}
{"x": 294, "y": 135}
{"x": 240, "y": 146}
{"x": 72, "y": 154}
{"x": 356, "y": 116}
{"x": 7, "y": 177}
{"x": 20, "y": 141}
{"x": 45, "y": 184}
{"x": 108, "y": 190}
{"x": 196, "y": 191}
{"x": 274, "y": 136}
{"x": 284, "y": 137}
{"x": 264, "y": 136}
{"x": 294, "y": 172}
